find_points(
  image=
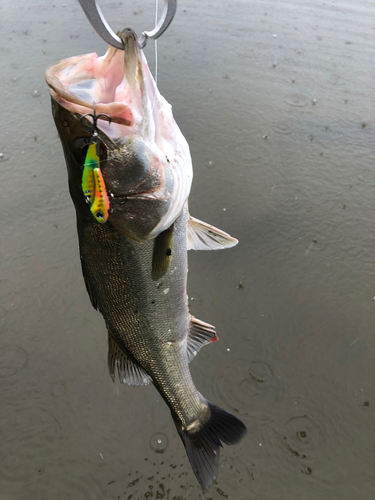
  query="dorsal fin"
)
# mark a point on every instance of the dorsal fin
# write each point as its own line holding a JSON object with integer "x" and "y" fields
{"x": 200, "y": 334}
{"x": 162, "y": 256}
{"x": 129, "y": 371}
{"x": 202, "y": 236}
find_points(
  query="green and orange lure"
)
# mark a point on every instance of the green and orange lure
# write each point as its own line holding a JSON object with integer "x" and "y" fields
{"x": 93, "y": 185}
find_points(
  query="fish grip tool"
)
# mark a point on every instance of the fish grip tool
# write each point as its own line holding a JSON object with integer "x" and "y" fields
{"x": 95, "y": 16}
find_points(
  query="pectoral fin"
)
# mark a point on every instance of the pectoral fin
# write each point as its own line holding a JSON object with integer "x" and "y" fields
{"x": 162, "y": 256}
{"x": 200, "y": 334}
{"x": 202, "y": 236}
{"x": 129, "y": 371}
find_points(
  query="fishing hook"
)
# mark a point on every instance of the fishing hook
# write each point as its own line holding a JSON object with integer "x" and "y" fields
{"x": 95, "y": 119}
{"x": 100, "y": 25}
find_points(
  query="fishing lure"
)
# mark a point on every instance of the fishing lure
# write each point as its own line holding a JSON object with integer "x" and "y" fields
{"x": 93, "y": 185}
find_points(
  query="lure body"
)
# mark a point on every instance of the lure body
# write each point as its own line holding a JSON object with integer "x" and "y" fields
{"x": 93, "y": 185}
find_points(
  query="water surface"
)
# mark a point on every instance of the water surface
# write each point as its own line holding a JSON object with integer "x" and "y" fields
{"x": 276, "y": 100}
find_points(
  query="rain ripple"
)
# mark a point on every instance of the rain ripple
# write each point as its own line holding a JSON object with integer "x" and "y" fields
{"x": 28, "y": 452}
{"x": 298, "y": 436}
{"x": 255, "y": 380}
{"x": 69, "y": 478}
{"x": 302, "y": 436}
{"x": 12, "y": 360}
{"x": 235, "y": 475}
{"x": 3, "y": 314}
{"x": 297, "y": 100}
{"x": 28, "y": 440}
{"x": 283, "y": 128}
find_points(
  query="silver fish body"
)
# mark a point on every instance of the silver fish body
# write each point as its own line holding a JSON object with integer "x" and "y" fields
{"x": 135, "y": 265}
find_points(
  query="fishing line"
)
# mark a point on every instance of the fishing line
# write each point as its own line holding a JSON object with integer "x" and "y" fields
{"x": 156, "y": 42}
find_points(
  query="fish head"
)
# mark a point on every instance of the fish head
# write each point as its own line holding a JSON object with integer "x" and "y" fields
{"x": 144, "y": 158}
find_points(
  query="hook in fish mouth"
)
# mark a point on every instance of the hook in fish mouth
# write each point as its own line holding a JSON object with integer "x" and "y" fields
{"x": 95, "y": 119}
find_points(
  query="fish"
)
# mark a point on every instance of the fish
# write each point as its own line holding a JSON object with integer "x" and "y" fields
{"x": 134, "y": 263}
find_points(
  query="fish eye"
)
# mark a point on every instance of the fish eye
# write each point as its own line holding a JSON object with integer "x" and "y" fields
{"x": 99, "y": 215}
{"x": 80, "y": 147}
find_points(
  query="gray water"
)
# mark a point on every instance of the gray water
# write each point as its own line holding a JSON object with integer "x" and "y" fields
{"x": 276, "y": 100}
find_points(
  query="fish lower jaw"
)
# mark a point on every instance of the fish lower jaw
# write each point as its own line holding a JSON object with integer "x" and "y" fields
{"x": 155, "y": 195}
{"x": 145, "y": 196}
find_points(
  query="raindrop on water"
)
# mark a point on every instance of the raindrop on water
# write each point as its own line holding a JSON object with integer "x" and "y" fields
{"x": 36, "y": 93}
{"x": 296, "y": 100}
{"x": 282, "y": 127}
{"x": 159, "y": 442}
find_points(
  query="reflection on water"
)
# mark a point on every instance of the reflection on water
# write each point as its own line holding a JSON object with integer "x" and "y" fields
{"x": 281, "y": 134}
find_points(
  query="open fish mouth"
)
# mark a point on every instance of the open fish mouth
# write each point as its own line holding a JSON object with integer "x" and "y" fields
{"x": 147, "y": 159}
{"x": 119, "y": 83}
{"x": 72, "y": 85}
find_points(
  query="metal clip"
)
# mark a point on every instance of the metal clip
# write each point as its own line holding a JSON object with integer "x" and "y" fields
{"x": 100, "y": 25}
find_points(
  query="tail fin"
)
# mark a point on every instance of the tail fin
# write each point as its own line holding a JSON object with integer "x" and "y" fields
{"x": 203, "y": 446}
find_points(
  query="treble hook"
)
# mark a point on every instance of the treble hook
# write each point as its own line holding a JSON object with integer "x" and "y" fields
{"x": 95, "y": 119}
{"x": 100, "y": 25}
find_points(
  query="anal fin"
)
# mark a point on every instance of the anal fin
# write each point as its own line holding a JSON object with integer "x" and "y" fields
{"x": 202, "y": 236}
{"x": 129, "y": 371}
{"x": 200, "y": 334}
